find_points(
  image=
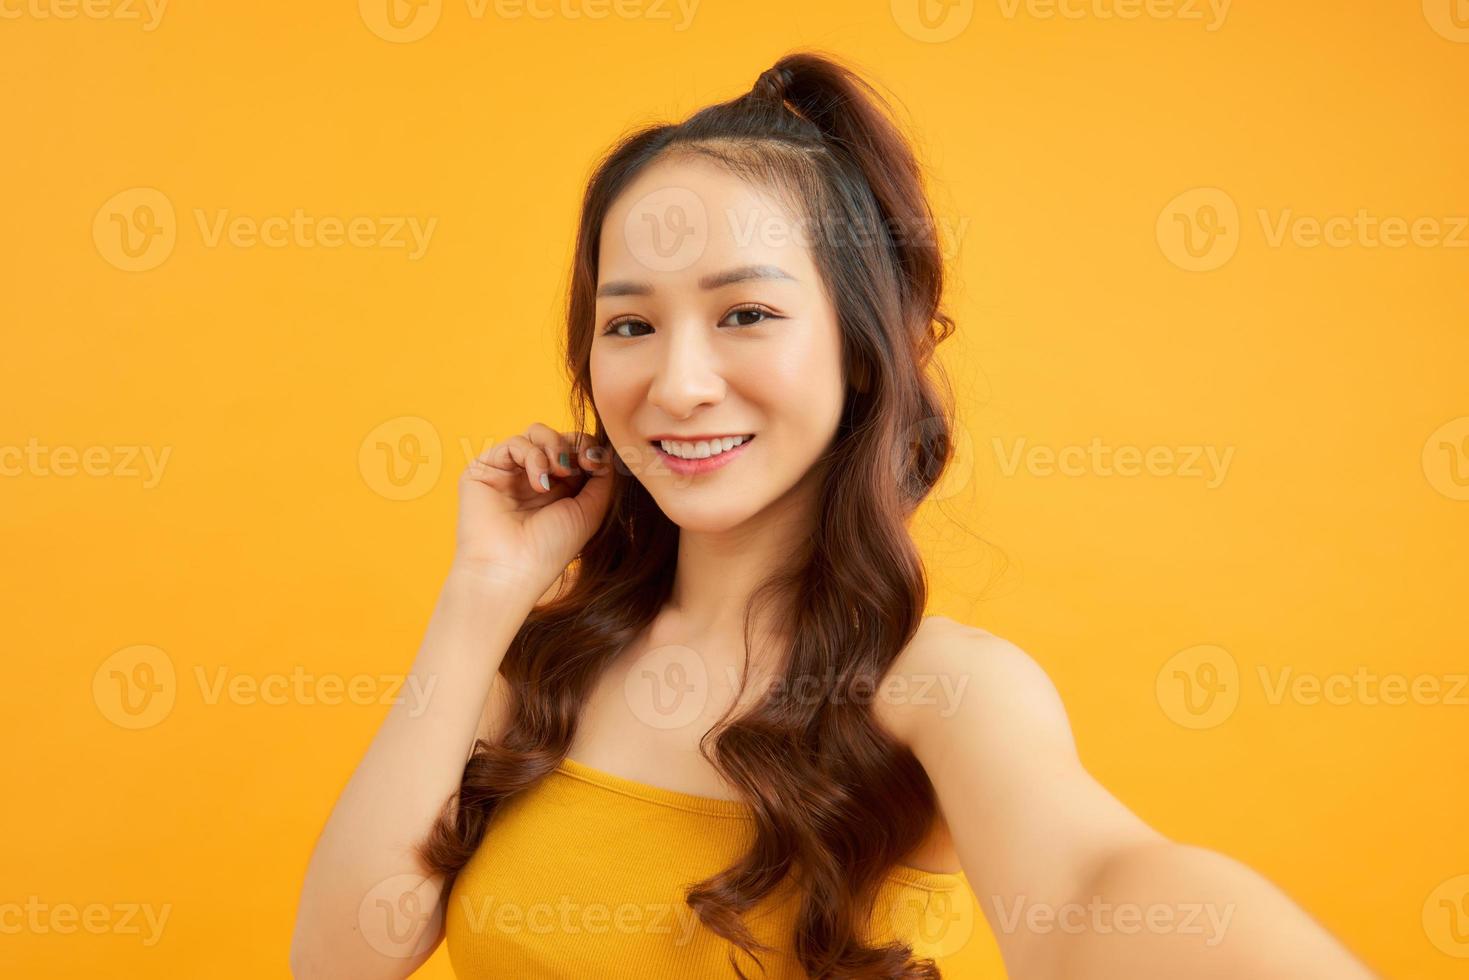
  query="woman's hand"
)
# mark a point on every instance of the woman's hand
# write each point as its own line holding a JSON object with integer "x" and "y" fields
{"x": 528, "y": 504}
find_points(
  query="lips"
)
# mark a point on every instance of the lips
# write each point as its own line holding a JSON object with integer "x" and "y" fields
{"x": 700, "y": 447}
{"x": 703, "y": 464}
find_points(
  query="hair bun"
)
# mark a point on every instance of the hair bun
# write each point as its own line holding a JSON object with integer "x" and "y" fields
{"x": 773, "y": 83}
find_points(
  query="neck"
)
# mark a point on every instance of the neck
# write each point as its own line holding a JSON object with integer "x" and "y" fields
{"x": 718, "y": 571}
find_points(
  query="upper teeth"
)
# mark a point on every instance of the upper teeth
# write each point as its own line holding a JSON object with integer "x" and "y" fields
{"x": 702, "y": 449}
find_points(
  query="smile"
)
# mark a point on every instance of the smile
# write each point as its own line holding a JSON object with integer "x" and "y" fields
{"x": 702, "y": 455}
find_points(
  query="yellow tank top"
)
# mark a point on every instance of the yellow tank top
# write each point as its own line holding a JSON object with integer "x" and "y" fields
{"x": 583, "y": 875}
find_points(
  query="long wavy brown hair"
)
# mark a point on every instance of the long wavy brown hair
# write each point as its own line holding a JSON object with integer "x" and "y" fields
{"x": 836, "y": 801}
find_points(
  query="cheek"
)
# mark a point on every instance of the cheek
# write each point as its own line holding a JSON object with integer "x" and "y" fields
{"x": 610, "y": 388}
{"x": 808, "y": 358}
{"x": 801, "y": 382}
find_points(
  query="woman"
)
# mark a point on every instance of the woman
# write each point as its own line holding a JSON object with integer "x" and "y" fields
{"x": 710, "y": 731}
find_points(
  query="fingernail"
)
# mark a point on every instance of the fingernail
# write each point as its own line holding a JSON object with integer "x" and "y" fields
{"x": 595, "y": 454}
{"x": 545, "y": 482}
{"x": 563, "y": 459}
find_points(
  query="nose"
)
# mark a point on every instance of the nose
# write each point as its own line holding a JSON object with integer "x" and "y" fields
{"x": 688, "y": 372}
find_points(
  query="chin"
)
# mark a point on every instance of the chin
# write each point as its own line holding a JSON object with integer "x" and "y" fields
{"x": 711, "y": 518}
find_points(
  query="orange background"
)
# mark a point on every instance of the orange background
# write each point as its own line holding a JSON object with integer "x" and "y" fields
{"x": 270, "y": 545}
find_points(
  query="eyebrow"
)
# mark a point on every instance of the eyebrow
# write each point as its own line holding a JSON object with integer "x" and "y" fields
{"x": 718, "y": 280}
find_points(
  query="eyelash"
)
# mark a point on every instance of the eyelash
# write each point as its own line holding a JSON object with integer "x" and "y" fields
{"x": 749, "y": 308}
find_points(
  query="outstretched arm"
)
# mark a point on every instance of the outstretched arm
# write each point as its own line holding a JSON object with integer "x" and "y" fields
{"x": 1073, "y": 884}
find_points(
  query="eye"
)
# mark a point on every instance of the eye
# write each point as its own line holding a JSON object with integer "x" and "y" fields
{"x": 760, "y": 311}
{"x": 612, "y": 328}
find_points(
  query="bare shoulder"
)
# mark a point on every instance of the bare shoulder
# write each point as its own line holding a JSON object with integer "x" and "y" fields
{"x": 959, "y": 649}
{"x": 954, "y": 677}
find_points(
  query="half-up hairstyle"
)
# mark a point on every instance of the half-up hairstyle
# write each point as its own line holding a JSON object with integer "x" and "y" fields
{"x": 837, "y": 803}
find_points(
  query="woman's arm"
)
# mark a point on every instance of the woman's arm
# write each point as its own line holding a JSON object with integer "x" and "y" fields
{"x": 1073, "y": 884}
{"x": 367, "y": 909}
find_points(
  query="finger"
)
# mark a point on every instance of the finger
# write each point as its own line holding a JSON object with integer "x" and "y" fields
{"x": 501, "y": 456}
{"x": 580, "y": 444}
{"x": 518, "y": 454}
{"x": 594, "y": 496}
{"x": 479, "y": 470}
{"x": 553, "y": 444}
{"x": 533, "y": 459}
{"x": 498, "y": 469}
{"x": 587, "y": 451}
{"x": 495, "y": 467}
{"x": 594, "y": 457}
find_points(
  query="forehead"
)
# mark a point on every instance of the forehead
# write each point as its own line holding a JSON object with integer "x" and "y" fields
{"x": 684, "y": 217}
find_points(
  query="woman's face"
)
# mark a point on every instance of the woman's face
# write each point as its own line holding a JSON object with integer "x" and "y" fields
{"x": 711, "y": 320}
